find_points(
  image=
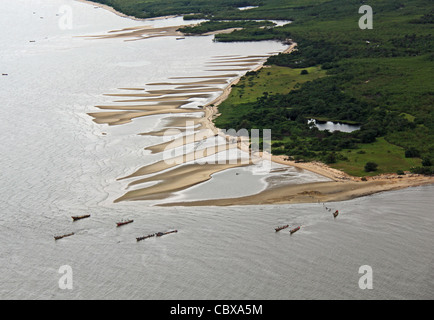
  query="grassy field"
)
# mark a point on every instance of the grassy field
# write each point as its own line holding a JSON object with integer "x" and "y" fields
{"x": 390, "y": 158}
{"x": 269, "y": 80}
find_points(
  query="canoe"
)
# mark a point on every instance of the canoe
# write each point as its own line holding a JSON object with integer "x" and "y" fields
{"x": 281, "y": 228}
{"x": 122, "y": 223}
{"x": 75, "y": 218}
{"x": 64, "y": 236}
{"x": 294, "y": 230}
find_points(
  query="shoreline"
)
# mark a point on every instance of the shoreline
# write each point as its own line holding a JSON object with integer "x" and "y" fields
{"x": 123, "y": 15}
{"x": 315, "y": 192}
{"x": 342, "y": 187}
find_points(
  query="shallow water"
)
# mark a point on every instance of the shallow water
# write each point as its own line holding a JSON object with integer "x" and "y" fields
{"x": 334, "y": 126}
{"x": 55, "y": 162}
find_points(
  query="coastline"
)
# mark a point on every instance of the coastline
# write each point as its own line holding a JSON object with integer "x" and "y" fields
{"x": 123, "y": 15}
{"x": 333, "y": 191}
{"x": 342, "y": 187}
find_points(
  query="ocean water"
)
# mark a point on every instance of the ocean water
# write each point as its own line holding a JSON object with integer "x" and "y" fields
{"x": 55, "y": 162}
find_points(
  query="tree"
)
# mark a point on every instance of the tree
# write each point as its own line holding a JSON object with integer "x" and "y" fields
{"x": 371, "y": 166}
{"x": 412, "y": 153}
{"x": 330, "y": 158}
{"x": 303, "y": 72}
{"x": 426, "y": 162}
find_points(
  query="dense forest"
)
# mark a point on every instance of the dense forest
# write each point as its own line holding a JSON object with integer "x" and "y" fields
{"x": 380, "y": 78}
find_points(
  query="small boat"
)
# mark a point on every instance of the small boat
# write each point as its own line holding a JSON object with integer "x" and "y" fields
{"x": 180, "y": 38}
{"x": 75, "y": 218}
{"x": 336, "y": 213}
{"x": 64, "y": 236}
{"x": 294, "y": 230}
{"x": 160, "y": 234}
{"x": 32, "y": 41}
{"x": 145, "y": 237}
{"x": 122, "y": 223}
{"x": 281, "y": 228}
{"x": 4, "y": 74}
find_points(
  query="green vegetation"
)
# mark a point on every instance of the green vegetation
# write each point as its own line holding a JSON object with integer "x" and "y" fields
{"x": 210, "y": 26}
{"x": 380, "y": 78}
{"x": 388, "y": 157}
{"x": 371, "y": 166}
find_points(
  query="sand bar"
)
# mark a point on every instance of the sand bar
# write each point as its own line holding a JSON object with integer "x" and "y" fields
{"x": 314, "y": 192}
{"x": 175, "y": 180}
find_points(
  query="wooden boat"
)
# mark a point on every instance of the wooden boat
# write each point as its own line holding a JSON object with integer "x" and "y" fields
{"x": 336, "y": 213}
{"x": 294, "y": 230}
{"x": 160, "y": 234}
{"x": 75, "y": 218}
{"x": 64, "y": 236}
{"x": 122, "y": 223}
{"x": 145, "y": 237}
{"x": 281, "y": 228}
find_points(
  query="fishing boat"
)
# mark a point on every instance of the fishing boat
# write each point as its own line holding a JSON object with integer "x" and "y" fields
{"x": 145, "y": 237}
{"x": 122, "y": 223}
{"x": 64, "y": 236}
{"x": 281, "y": 228}
{"x": 160, "y": 234}
{"x": 294, "y": 230}
{"x": 336, "y": 213}
{"x": 75, "y": 218}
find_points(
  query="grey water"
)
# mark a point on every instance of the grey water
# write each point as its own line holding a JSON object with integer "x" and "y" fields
{"x": 55, "y": 163}
{"x": 333, "y": 126}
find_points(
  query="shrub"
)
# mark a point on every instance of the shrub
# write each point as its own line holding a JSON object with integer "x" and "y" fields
{"x": 412, "y": 153}
{"x": 400, "y": 173}
{"x": 426, "y": 162}
{"x": 303, "y": 72}
{"x": 371, "y": 166}
{"x": 429, "y": 171}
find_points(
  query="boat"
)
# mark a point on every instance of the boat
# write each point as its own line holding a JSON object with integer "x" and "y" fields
{"x": 336, "y": 213}
{"x": 281, "y": 228}
{"x": 160, "y": 234}
{"x": 180, "y": 38}
{"x": 294, "y": 230}
{"x": 64, "y": 236}
{"x": 75, "y": 218}
{"x": 4, "y": 74}
{"x": 145, "y": 237}
{"x": 122, "y": 223}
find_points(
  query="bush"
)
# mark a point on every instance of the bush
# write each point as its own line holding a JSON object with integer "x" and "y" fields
{"x": 429, "y": 171}
{"x": 400, "y": 173}
{"x": 371, "y": 166}
{"x": 303, "y": 72}
{"x": 426, "y": 162}
{"x": 412, "y": 153}
{"x": 330, "y": 158}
